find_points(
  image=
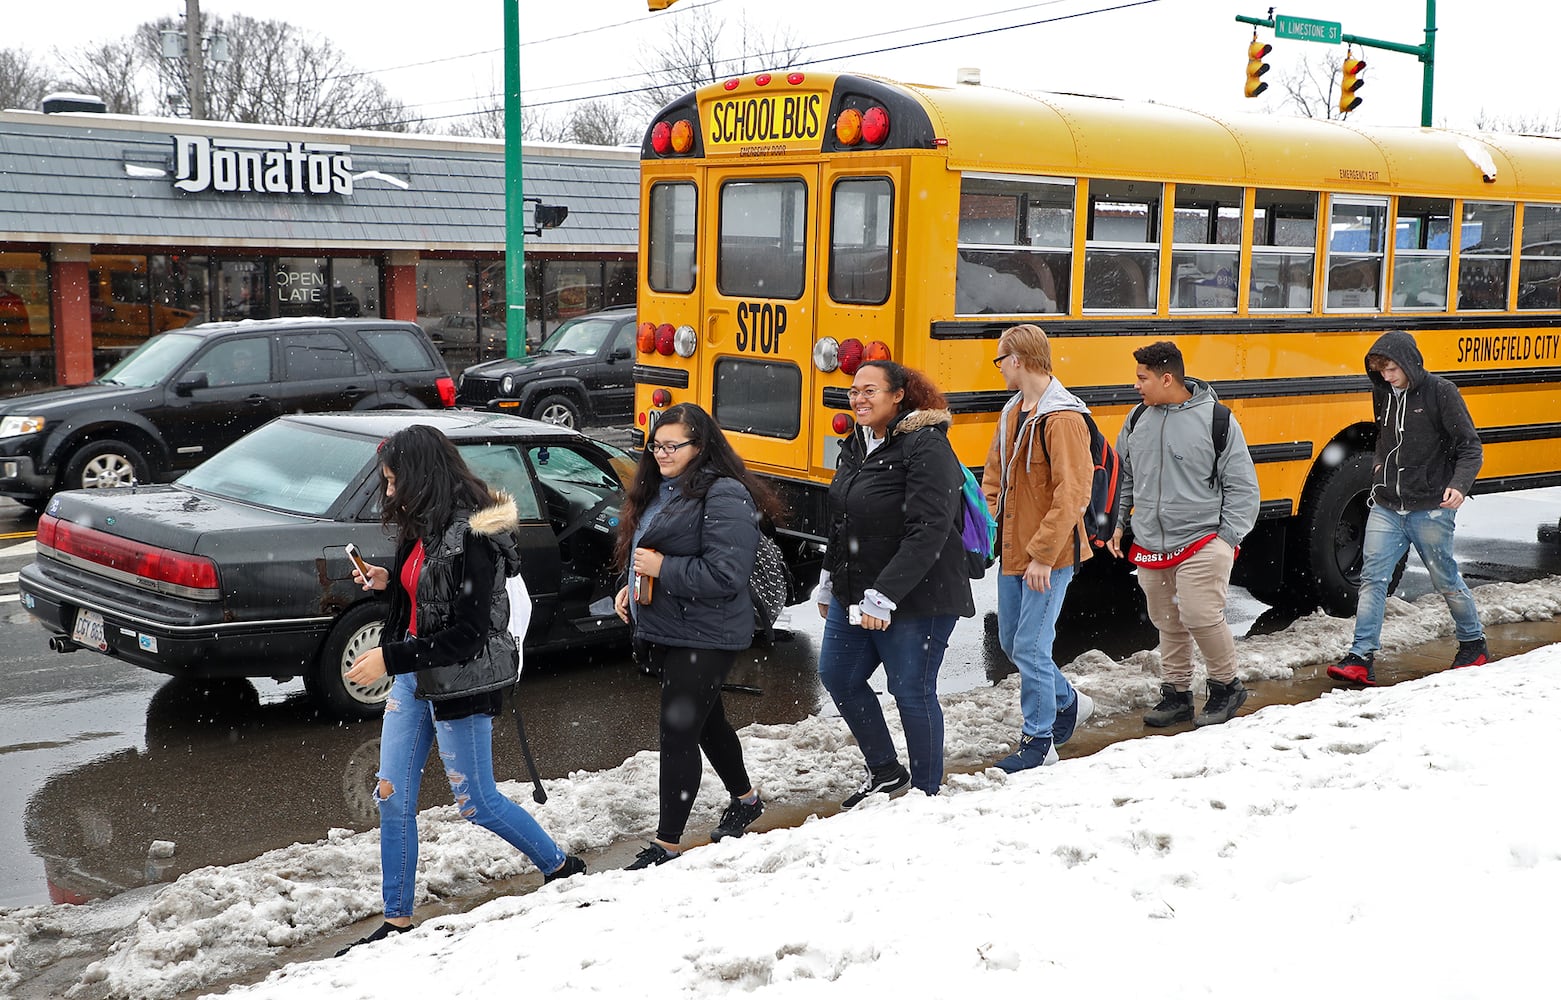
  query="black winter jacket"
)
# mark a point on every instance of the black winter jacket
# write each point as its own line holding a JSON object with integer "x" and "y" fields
{"x": 463, "y": 645}
{"x": 707, "y": 547}
{"x": 894, "y": 520}
{"x": 1426, "y": 440}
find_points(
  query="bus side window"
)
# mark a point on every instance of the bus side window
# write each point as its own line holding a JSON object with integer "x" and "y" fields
{"x": 1122, "y": 245}
{"x": 1015, "y": 245}
{"x": 1284, "y": 249}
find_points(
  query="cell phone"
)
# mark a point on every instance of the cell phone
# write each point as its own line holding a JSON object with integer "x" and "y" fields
{"x": 643, "y": 586}
{"x": 357, "y": 561}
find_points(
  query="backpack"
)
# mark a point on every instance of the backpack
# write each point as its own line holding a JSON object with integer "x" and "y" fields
{"x": 978, "y": 529}
{"x": 767, "y": 584}
{"x": 1102, "y": 513}
{"x": 1220, "y": 433}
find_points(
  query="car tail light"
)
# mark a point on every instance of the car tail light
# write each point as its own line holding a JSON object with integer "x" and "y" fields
{"x": 664, "y": 335}
{"x": 446, "y": 386}
{"x": 850, "y": 355}
{"x": 841, "y": 423}
{"x": 645, "y": 338}
{"x": 876, "y": 351}
{"x": 162, "y": 570}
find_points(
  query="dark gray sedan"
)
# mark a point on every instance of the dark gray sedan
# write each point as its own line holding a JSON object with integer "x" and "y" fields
{"x": 239, "y": 568}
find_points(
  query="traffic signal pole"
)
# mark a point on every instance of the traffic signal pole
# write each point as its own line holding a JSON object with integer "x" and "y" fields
{"x": 514, "y": 193}
{"x": 1425, "y": 52}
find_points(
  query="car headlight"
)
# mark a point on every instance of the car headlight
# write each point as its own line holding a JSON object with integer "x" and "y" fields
{"x": 506, "y": 385}
{"x": 16, "y": 426}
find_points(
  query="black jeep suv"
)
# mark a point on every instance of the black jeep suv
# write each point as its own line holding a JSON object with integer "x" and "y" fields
{"x": 186, "y": 394}
{"x": 583, "y": 373}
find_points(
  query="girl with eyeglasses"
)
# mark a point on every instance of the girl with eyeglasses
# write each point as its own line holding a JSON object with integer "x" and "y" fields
{"x": 894, "y": 580}
{"x": 690, "y": 527}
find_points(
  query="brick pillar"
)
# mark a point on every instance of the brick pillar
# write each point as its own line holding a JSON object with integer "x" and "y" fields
{"x": 401, "y": 285}
{"x": 70, "y": 308}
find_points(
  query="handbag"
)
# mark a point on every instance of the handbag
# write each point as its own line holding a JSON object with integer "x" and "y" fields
{"x": 768, "y": 584}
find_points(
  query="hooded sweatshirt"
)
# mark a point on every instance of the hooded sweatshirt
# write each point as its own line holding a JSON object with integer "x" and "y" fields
{"x": 1426, "y": 441}
{"x": 1167, "y": 491}
{"x": 1039, "y": 488}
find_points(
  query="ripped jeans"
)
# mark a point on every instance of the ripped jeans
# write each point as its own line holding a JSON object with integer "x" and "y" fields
{"x": 466, "y": 747}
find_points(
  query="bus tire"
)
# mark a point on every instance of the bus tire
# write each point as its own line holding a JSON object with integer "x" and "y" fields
{"x": 1332, "y": 534}
{"x": 357, "y": 630}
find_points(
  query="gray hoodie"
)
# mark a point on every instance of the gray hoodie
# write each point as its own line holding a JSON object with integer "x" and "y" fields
{"x": 1166, "y": 463}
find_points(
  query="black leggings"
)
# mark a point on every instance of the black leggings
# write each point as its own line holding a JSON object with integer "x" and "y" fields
{"x": 693, "y": 719}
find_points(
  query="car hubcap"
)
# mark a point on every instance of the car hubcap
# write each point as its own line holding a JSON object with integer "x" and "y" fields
{"x": 107, "y": 470}
{"x": 362, "y": 641}
{"x": 558, "y": 414}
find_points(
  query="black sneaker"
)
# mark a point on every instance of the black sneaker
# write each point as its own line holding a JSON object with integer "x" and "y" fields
{"x": 571, "y": 867}
{"x": 381, "y": 932}
{"x": 1225, "y": 700}
{"x": 887, "y": 780}
{"x": 1175, "y": 706}
{"x": 652, "y": 855}
{"x": 737, "y": 818}
{"x": 1471, "y": 654}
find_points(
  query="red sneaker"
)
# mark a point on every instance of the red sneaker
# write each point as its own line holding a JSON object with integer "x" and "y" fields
{"x": 1355, "y": 670}
{"x": 1471, "y": 654}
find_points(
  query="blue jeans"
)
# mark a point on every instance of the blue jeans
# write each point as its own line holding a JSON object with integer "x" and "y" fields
{"x": 1388, "y": 537}
{"x": 466, "y": 747}
{"x": 1026, "y": 629}
{"x": 911, "y": 651}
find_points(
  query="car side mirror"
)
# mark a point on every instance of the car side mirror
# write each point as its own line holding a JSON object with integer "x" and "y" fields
{"x": 189, "y": 382}
{"x": 621, "y": 353}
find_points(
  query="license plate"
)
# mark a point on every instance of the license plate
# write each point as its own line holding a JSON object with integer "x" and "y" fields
{"x": 89, "y": 630}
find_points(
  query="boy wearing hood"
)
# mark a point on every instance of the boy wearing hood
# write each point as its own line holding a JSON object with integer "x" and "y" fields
{"x": 1037, "y": 484}
{"x": 1189, "y": 505}
{"x": 1428, "y": 454}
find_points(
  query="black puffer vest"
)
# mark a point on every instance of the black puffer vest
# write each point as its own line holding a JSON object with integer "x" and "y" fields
{"x": 496, "y": 664}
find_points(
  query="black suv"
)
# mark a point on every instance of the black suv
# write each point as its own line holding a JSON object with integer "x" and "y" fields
{"x": 186, "y": 394}
{"x": 582, "y": 373}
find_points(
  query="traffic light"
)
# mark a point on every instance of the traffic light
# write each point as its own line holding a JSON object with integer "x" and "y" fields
{"x": 1256, "y": 67}
{"x": 661, "y": 4}
{"x": 1351, "y": 82}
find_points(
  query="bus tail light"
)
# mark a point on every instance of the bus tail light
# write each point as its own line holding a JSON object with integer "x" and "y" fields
{"x": 877, "y": 351}
{"x": 875, "y": 126}
{"x": 826, "y": 354}
{"x": 645, "y": 338}
{"x": 841, "y": 424}
{"x": 659, "y": 399}
{"x": 850, "y": 355}
{"x": 684, "y": 340}
{"x": 661, "y": 138}
{"x": 682, "y": 135}
{"x": 848, "y": 127}
{"x": 664, "y": 334}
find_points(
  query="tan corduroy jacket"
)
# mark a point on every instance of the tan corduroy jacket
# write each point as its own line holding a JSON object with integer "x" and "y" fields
{"x": 1039, "y": 505}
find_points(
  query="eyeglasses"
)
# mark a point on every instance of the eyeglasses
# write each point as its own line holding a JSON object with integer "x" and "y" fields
{"x": 997, "y": 362}
{"x": 666, "y": 447}
{"x": 867, "y": 393}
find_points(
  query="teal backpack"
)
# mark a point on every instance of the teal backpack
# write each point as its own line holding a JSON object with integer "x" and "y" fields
{"x": 978, "y": 529}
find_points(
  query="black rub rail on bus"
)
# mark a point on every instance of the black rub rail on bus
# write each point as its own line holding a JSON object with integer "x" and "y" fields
{"x": 1237, "y": 326}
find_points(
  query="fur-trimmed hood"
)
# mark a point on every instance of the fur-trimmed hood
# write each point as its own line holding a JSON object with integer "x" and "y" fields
{"x": 915, "y": 420}
{"x": 498, "y": 518}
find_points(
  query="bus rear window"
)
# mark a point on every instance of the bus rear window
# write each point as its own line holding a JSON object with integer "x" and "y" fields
{"x": 758, "y": 397}
{"x": 763, "y": 239}
{"x": 669, "y": 265}
{"x": 863, "y": 217}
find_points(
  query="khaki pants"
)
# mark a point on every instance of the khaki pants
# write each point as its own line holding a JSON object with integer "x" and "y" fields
{"x": 1187, "y": 604}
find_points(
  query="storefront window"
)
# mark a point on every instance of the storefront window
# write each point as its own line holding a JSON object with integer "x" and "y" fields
{"x": 621, "y": 286}
{"x": 354, "y": 286}
{"x": 241, "y": 291}
{"x": 180, "y": 286}
{"x": 302, "y": 286}
{"x": 26, "y": 344}
{"x": 447, "y": 308}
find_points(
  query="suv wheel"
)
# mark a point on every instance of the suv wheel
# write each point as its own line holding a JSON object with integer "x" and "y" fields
{"x": 355, "y": 632}
{"x": 557, "y": 409}
{"x": 105, "y": 463}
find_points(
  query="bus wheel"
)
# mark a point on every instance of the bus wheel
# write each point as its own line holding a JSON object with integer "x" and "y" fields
{"x": 1333, "y": 533}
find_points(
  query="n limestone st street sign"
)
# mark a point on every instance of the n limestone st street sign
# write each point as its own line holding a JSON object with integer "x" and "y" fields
{"x": 1307, "y": 30}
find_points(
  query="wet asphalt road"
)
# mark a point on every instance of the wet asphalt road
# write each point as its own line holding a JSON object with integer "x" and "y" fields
{"x": 98, "y": 759}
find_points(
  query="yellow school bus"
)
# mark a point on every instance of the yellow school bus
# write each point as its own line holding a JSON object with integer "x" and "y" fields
{"x": 793, "y": 223}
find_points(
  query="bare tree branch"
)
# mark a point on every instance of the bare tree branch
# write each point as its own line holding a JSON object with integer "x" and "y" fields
{"x": 23, "y": 82}
{"x": 1311, "y": 88}
{"x": 691, "y": 54}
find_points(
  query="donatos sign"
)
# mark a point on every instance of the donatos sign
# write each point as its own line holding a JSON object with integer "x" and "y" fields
{"x": 769, "y": 123}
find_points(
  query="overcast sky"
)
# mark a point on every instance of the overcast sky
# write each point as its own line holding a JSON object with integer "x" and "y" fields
{"x": 1491, "y": 54}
